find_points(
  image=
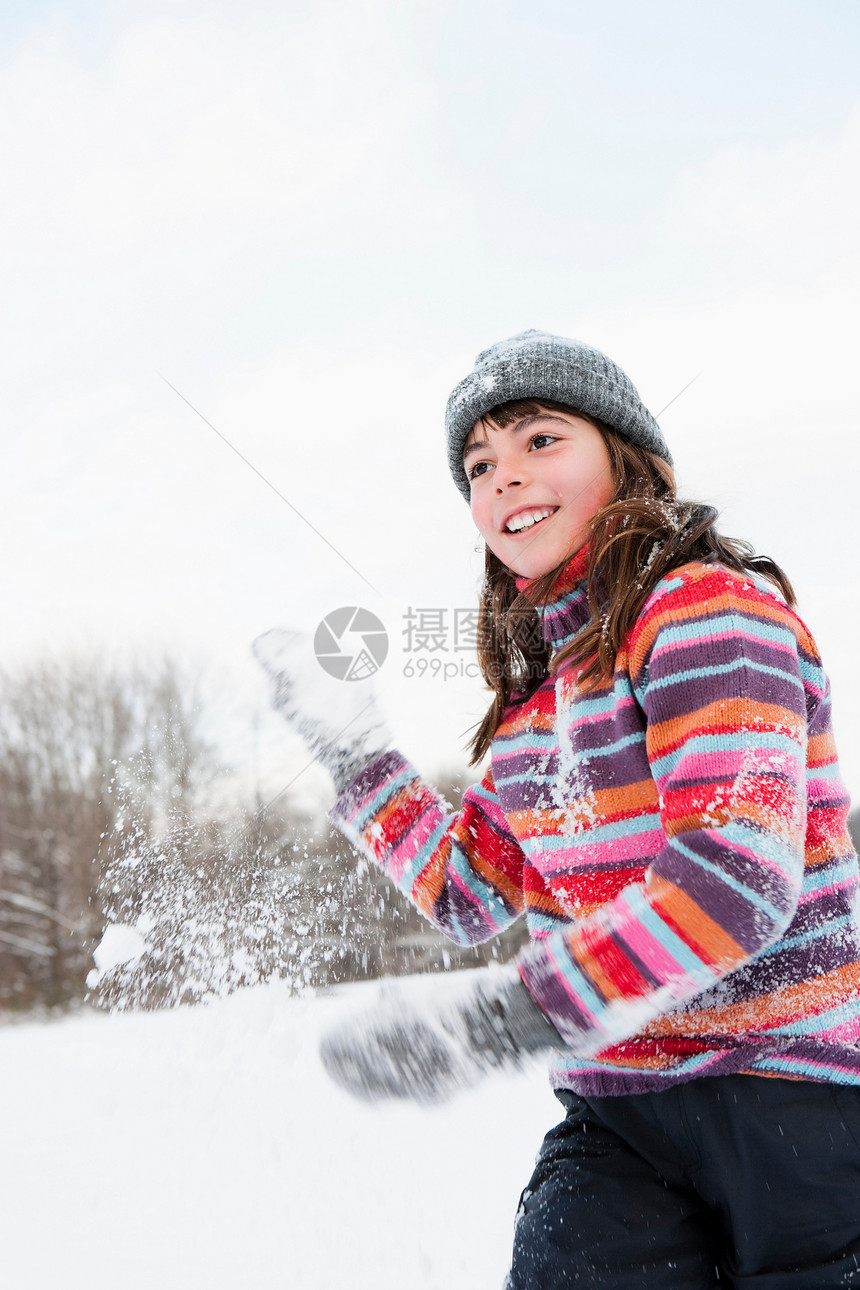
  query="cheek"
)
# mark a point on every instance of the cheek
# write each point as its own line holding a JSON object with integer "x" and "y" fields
{"x": 493, "y": 540}
{"x": 598, "y": 488}
{"x": 605, "y": 493}
{"x": 480, "y": 516}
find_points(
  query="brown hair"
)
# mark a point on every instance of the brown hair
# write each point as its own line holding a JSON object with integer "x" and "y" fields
{"x": 639, "y": 537}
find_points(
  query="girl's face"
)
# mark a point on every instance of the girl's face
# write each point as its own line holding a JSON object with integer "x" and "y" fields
{"x": 552, "y": 465}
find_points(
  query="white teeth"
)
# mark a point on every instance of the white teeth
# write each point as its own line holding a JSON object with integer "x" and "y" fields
{"x": 526, "y": 520}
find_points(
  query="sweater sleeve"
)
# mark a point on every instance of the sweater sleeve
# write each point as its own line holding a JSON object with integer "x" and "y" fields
{"x": 462, "y": 870}
{"x": 718, "y": 669}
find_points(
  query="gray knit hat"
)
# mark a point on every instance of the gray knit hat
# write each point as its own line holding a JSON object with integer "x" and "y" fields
{"x": 537, "y": 365}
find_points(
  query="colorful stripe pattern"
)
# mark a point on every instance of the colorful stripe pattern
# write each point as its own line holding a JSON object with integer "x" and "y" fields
{"x": 677, "y": 841}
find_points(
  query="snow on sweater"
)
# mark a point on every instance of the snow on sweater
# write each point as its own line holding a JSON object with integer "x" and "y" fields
{"x": 677, "y": 841}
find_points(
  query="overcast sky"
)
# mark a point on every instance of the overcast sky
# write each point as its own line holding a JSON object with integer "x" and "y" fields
{"x": 309, "y": 217}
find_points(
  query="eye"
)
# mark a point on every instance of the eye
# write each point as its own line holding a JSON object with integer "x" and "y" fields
{"x": 534, "y": 442}
{"x": 477, "y": 469}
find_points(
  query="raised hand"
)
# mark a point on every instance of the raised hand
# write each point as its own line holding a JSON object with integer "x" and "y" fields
{"x": 340, "y": 721}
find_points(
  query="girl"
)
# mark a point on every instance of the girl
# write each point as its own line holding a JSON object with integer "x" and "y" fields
{"x": 663, "y": 804}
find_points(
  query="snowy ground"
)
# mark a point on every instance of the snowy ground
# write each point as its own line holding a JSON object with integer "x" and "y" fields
{"x": 205, "y": 1149}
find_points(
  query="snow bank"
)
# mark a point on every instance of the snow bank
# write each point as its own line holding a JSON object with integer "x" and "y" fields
{"x": 205, "y": 1149}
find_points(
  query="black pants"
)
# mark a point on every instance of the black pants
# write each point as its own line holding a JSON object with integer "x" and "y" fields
{"x": 735, "y": 1181}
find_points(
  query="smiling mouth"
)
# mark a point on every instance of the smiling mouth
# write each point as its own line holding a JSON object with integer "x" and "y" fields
{"x": 526, "y": 521}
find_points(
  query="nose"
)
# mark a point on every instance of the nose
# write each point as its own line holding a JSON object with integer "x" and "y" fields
{"x": 508, "y": 474}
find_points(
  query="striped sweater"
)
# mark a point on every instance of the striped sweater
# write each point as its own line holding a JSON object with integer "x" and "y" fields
{"x": 676, "y": 839}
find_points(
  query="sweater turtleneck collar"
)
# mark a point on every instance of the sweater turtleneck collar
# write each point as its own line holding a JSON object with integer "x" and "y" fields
{"x": 567, "y": 612}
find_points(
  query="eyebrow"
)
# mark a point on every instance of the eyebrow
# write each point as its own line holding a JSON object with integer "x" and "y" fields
{"x": 477, "y": 444}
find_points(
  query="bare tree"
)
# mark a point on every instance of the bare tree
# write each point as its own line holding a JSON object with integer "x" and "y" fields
{"x": 67, "y": 728}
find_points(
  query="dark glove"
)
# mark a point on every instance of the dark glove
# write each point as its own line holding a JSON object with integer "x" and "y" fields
{"x": 427, "y": 1056}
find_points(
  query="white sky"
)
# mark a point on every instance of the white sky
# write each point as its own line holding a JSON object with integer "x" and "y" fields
{"x": 308, "y": 217}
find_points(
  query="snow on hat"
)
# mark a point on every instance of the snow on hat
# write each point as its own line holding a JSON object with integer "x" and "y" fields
{"x": 537, "y": 365}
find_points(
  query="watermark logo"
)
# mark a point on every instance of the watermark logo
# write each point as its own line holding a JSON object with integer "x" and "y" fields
{"x": 351, "y": 643}
{"x": 436, "y": 643}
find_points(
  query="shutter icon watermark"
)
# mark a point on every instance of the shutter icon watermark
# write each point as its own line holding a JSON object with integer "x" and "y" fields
{"x": 351, "y": 643}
